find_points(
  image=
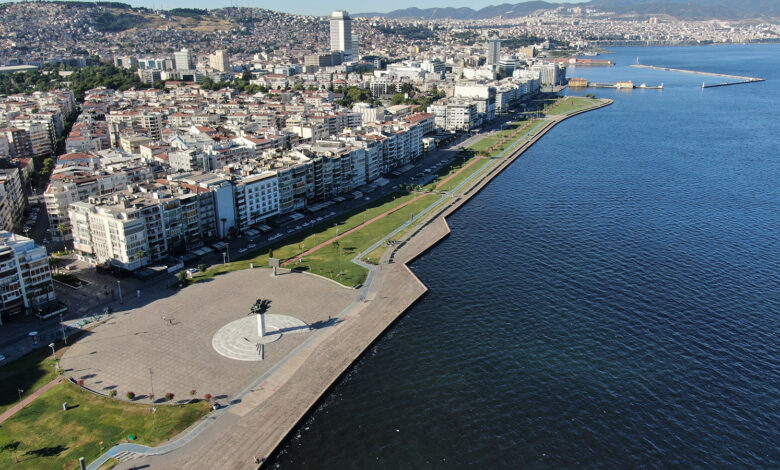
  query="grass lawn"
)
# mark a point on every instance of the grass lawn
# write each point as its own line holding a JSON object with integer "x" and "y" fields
{"x": 48, "y": 437}
{"x": 328, "y": 260}
{"x": 325, "y": 262}
{"x": 571, "y": 104}
{"x": 466, "y": 173}
{"x": 29, "y": 373}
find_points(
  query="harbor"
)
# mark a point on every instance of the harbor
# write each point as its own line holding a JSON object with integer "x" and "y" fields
{"x": 739, "y": 78}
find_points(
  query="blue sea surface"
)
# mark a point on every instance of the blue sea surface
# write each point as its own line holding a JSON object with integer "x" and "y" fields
{"x": 612, "y": 300}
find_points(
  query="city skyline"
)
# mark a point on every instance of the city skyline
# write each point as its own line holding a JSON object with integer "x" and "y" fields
{"x": 313, "y": 7}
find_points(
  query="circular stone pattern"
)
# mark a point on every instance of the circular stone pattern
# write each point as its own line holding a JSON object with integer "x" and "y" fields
{"x": 240, "y": 340}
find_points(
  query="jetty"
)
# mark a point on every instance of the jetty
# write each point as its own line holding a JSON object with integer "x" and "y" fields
{"x": 739, "y": 78}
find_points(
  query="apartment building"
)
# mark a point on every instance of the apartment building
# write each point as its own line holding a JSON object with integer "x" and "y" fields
{"x": 13, "y": 199}
{"x": 25, "y": 277}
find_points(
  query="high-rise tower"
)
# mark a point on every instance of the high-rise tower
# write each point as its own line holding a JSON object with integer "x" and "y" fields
{"x": 341, "y": 34}
{"x": 493, "y": 51}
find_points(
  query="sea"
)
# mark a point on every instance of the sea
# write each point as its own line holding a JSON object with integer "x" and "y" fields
{"x": 611, "y": 300}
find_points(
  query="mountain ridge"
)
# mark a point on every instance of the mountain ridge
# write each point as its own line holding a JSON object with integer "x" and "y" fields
{"x": 683, "y": 9}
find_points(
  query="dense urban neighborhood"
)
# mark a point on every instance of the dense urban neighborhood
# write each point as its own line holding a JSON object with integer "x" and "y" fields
{"x": 143, "y": 151}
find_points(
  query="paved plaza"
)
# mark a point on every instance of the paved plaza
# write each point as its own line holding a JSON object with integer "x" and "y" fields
{"x": 173, "y": 335}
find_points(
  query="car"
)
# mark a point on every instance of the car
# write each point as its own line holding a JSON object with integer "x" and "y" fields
{"x": 319, "y": 218}
{"x": 193, "y": 271}
{"x": 242, "y": 250}
{"x": 274, "y": 236}
{"x": 291, "y": 230}
{"x": 251, "y": 245}
{"x": 2, "y": 358}
{"x": 297, "y": 227}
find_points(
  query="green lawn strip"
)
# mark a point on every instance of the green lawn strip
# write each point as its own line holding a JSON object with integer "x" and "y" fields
{"x": 570, "y": 105}
{"x": 444, "y": 172}
{"x": 28, "y": 373}
{"x": 334, "y": 258}
{"x": 297, "y": 243}
{"x": 375, "y": 255}
{"x": 49, "y": 437}
{"x": 463, "y": 175}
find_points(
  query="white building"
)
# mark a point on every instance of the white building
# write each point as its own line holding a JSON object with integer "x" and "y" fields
{"x": 183, "y": 60}
{"x": 220, "y": 60}
{"x": 341, "y": 34}
{"x": 25, "y": 276}
{"x": 257, "y": 198}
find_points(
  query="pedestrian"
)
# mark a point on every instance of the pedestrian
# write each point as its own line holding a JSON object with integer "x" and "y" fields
{"x": 257, "y": 460}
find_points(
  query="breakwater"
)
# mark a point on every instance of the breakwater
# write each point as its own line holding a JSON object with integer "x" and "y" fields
{"x": 741, "y": 79}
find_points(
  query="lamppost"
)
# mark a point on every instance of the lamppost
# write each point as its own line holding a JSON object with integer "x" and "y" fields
{"x": 224, "y": 258}
{"x": 54, "y": 357}
{"x": 119, "y": 288}
{"x": 20, "y": 393}
{"x": 62, "y": 326}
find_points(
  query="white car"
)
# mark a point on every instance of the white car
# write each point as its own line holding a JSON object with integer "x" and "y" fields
{"x": 251, "y": 245}
{"x": 242, "y": 250}
{"x": 2, "y": 358}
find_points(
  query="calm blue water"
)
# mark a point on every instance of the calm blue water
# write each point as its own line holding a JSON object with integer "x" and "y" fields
{"x": 612, "y": 300}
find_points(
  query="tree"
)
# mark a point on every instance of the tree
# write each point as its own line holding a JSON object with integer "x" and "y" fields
{"x": 182, "y": 276}
{"x": 407, "y": 88}
{"x": 398, "y": 98}
{"x": 62, "y": 228}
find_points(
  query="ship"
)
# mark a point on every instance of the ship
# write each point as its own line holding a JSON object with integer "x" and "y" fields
{"x": 659, "y": 87}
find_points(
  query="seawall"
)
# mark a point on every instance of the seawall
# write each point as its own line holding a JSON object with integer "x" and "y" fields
{"x": 260, "y": 424}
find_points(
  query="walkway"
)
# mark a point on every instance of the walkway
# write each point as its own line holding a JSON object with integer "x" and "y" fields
{"x": 28, "y": 399}
{"x": 352, "y": 230}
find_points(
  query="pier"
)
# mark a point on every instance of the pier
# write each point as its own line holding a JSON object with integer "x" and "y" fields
{"x": 621, "y": 85}
{"x": 740, "y": 79}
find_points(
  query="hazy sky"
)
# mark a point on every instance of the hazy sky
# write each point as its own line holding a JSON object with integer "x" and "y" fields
{"x": 319, "y": 7}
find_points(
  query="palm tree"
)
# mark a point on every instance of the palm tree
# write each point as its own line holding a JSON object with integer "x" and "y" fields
{"x": 62, "y": 228}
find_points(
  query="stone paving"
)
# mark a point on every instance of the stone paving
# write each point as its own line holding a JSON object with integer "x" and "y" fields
{"x": 173, "y": 335}
{"x": 239, "y": 339}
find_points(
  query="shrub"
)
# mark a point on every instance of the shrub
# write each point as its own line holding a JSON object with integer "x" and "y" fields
{"x": 207, "y": 397}
{"x": 193, "y": 392}
{"x": 169, "y": 396}
{"x": 130, "y": 395}
{"x": 80, "y": 382}
{"x": 151, "y": 396}
{"x": 112, "y": 393}
{"x": 202, "y": 267}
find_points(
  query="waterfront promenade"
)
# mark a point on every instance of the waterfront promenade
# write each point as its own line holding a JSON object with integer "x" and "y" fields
{"x": 269, "y": 410}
